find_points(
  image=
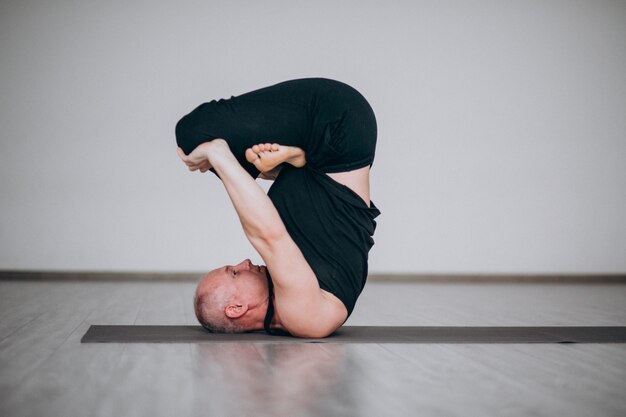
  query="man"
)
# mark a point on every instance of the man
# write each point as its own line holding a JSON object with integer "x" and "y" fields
{"x": 313, "y": 229}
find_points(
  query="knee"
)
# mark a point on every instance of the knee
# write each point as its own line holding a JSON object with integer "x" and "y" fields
{"x": 193, "y": 128}
{"x": 184, "y": 132}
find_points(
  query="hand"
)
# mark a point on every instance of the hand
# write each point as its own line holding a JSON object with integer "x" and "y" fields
{"x": 198, "y": 159}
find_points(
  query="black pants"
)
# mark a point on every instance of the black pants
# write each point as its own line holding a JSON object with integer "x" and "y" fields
{"x": 331, "y": 121}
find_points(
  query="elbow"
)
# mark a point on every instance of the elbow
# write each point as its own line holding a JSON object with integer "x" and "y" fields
{"x": 269, "y": 237}
{"x": 319, "y": 335}
{"x": 313, "y": 333}
{"x": 273, "y": 235}
{"x": 312, "y": 329}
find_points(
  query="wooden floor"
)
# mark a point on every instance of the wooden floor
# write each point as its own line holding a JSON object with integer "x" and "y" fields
{"x": 45, "y": 371}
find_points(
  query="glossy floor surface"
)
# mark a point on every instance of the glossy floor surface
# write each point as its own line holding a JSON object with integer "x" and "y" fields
{"x": 45, "y": 371}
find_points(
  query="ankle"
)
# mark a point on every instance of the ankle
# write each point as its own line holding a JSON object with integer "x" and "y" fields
{"x": 297, "y": 156}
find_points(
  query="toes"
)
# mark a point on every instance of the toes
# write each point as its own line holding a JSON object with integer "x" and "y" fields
{"x": 266, "y": 147}
{"x": 251, "y": 156}
{"x": 259, "y": 165}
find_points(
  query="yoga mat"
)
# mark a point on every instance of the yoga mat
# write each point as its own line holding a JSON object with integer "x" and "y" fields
{"x": 363, "y": 334}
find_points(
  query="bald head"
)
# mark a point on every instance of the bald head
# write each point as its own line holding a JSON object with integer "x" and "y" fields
{"x": 211, "y": 299}
{"x": 232, "y": 299}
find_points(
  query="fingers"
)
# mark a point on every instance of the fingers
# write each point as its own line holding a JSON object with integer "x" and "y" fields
{"x": 180, "y": 152}
{"x": 188, "y": 160}
{"x": 183, "y": 157}
{"x": 202, "y": 165}
{"x": 202, "y": 168}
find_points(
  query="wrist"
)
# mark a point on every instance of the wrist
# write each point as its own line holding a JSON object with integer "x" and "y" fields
{"x": 218, "y": 152}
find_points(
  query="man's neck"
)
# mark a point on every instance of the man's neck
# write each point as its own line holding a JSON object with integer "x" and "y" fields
{"x": 275, "y": 323}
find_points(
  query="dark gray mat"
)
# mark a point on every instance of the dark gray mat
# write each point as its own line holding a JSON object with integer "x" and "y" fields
{"x": 363, "y": 334}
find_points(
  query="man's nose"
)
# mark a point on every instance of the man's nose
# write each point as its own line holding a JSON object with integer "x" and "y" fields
{"x": 246, "y": 264}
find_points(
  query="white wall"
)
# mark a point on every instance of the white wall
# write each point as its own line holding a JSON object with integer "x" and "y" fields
{"x": 502, "y": 128}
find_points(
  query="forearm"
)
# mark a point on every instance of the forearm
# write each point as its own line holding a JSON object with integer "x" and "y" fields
{"x": 258, "y": 216}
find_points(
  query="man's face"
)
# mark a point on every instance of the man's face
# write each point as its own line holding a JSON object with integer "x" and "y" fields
{"x": 244, "y": 278}
{"x": 244, "y": 273}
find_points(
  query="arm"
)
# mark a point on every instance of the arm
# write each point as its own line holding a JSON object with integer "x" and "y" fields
{"x": 299, "y": 301}
{"x": 257, "y": 214}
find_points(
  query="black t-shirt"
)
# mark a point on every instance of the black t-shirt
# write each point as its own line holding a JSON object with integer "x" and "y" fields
{"x": 332, "y": 226}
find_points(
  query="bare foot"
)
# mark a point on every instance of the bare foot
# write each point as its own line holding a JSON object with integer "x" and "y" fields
{"x": 271, "y": 175}
{"x": 266, "y": 156}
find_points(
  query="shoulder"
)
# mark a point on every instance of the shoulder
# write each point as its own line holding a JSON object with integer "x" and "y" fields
{"x": 316, "y": 319}
{"x": 305, "y": 310}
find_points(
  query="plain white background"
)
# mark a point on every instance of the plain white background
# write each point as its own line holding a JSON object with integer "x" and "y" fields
{"x": 501, "y": 147}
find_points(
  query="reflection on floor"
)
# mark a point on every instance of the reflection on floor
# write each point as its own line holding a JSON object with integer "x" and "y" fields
{"x": 45, "y": 371}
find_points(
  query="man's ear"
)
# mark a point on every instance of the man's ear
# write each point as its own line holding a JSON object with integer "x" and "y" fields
{"x": 234, "y": 311}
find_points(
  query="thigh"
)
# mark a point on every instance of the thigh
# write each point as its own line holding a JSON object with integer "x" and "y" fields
{"x": 345, "y": 131}
{"x": 357, "y": 180}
